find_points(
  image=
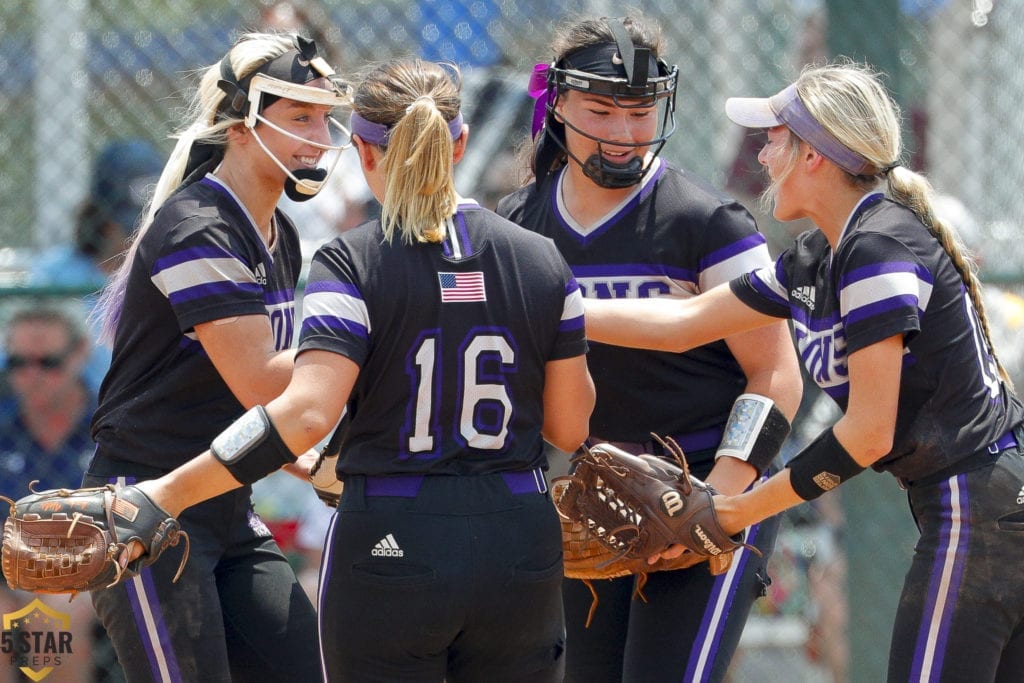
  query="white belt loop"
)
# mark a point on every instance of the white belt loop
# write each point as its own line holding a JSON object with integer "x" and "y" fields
{"x": 538, "y": 477}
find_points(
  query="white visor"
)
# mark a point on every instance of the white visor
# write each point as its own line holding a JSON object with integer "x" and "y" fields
{"x": 752, "y": 112}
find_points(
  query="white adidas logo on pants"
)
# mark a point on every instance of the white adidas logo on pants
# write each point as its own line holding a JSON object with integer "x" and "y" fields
{"x": 387, "y": 547}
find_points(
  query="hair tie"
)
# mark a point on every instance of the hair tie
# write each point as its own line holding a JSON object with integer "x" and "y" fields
{"x": 885, "y": 169}
{"x": 421, "y": 98}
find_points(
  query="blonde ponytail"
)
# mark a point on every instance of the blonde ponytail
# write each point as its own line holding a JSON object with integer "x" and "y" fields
{"x": 419, "y": 191}
{"x": 417, "y": 103}
{"x": 916, "y": 193}
{"x": 251, "y": 51}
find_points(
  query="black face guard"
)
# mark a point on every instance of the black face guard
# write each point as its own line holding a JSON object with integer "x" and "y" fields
{"x": 635, "y": 90}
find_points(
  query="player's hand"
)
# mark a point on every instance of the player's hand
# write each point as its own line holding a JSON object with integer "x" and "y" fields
{"x": 135, "y": 549}
{"x": 670, "y": 553}
{"x": 675, "y": 550}
{"x": 134, "y": 552}
{"x": 302, "y": 465}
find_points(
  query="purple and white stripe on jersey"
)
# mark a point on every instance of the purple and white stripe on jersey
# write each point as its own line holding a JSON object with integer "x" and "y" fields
{"x": 884, "y": 289}
{"x": 770, "y": 283}
{"x": 572, "y": 312}
{"x": 334, "y": 307}
{"x": 743, "y": 256}
{"x": 457, "y": 242}
{"x": 201, "y": 272}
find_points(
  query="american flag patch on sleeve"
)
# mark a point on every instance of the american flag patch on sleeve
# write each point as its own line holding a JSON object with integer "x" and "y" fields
{"x": 462, "y": 286}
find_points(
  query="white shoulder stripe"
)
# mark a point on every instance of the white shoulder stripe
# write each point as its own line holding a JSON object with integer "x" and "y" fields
{"x": 882, "y": 287}
{"x": 336, "y": 305}
{"x": 201, "y": 272}
{"x": 573, "y": 306}
{"x": 734, "y": 266}
{"x": 767, "y": 276}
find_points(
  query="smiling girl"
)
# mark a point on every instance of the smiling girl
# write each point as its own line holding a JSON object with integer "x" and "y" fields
{"x": 202, "y": 319}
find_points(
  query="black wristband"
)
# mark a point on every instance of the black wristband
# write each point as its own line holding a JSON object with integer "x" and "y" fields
{"x": 823, "y": 465}
{"x": 755, "y": 432}
{"x": 251, "y": 447}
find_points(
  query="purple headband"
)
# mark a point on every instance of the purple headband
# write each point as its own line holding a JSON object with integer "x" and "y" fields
{"x": 378, "y": 133}
{"x": 786, "y": 108}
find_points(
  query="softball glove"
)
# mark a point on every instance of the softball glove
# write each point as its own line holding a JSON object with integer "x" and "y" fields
{"x": 73, "y": 540}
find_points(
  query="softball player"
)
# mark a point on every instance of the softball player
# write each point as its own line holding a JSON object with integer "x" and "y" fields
{"x": 631, "y": 225}
{"x": 888, "y": 319}
{"x": 455, "y": 341}
{"x": 201, "y": 316}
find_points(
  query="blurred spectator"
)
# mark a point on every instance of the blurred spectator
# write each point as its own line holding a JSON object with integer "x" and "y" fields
{"x": 44, "y": 437}
{"x": 123, "y": 176}
{"x": 308, "y": 17}
{"x": 44, "y": 420}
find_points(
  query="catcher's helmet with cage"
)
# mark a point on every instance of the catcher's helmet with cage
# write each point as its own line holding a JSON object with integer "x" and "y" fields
{"x": 633, "y": 78}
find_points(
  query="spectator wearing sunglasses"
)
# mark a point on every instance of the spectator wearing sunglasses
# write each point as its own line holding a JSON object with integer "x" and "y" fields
{"x": 45, "y": 412}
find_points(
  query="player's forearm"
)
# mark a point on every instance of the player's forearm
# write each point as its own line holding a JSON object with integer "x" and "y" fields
{"x": 266, "y": 383}
{"x": 636, "y": 323}
{"x": 200, "y": 479}
{"x": 731, "y": 476}
{"x": 664, "y": 324}
{"x": 736, "y": 513}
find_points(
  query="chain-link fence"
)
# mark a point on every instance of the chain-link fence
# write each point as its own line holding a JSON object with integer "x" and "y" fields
{"x": 78, "y": 74}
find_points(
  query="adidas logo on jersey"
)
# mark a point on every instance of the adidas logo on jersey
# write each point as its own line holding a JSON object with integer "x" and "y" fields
{"x": 804, "y": 295}
{"x": 387, "y": 547}
{"x": 260, "y": 273}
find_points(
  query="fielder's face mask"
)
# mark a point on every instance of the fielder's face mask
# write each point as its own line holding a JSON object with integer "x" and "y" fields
{"x": 632, "y": 77}
{"x": 287, "y": 76}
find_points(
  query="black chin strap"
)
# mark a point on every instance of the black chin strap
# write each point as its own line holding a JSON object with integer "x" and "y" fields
{"x": 203, "y": 157}
{"x": 298, "y": 193}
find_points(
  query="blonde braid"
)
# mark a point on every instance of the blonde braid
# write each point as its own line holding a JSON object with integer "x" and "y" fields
{"x": 850, "y": 101}
{"x": 916, "y": 193}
